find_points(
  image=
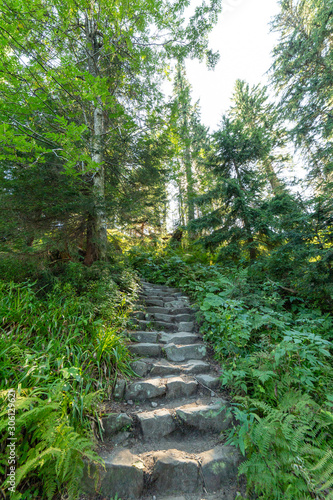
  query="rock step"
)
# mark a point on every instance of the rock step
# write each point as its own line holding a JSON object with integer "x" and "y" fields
{"x": 169, "y": 310}
{"x": 163, "y": 288}
{"x": 168, "y": 387}
{"x": 165, "y": 326}
{"x": 162, "y": 367}
{"x": 161, "y": 422}
{"x": 171, "y": 318}
{"x": 170, "y": 303}
{"x": 164, "y": 338}
{"x": 146, "y": 298}
{"x": 172, "y": 351}
{"x": 162, "y": 325}
{"x": 168, "y": 472}
{"x": 171, "y": 387}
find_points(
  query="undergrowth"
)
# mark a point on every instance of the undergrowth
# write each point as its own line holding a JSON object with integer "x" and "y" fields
{"x": 276, "y": 355}
{"x": 61, "y": 351}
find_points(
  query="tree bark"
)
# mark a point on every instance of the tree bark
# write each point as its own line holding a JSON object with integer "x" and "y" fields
{"x": 277, "y": 186}
{"x": 247, "y": 225}
{"x": 96, "y": 221}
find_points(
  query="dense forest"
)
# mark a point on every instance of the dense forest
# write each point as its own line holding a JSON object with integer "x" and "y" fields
{"x": 91, "y": 150}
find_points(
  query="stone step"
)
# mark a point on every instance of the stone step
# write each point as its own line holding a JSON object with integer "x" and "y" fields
{"x": 161, "y": 290}
{"x": 175, "y": 352}
{"x": 181, "y": 310}
{"x": 204, "y": 417}
{"x": 169, "y": 310}
{"x": 168, "y": 472}
{"x": 139, "y": 315}
{"x": 123, "y": 475}
{"x": 162, "y": 325}
{"x": 157, "y": 309}
{"x": 176, "y": 304}
{"x": 161, "y": 422}
{"x": 179, "y": 338}
{"x": 215, "y": 470}
{"x": 145, "y": 336}
{"x": 146, "y": 389}
{"x": 209, "y": 381}
{"x": 170, "y": 318}
{"x": 148, "y": 350}
{"x": 190, "y": 367}
{"x": 154, "y": 302}
{"x": 169, "y": 387}
{"x": 161, "y": 294}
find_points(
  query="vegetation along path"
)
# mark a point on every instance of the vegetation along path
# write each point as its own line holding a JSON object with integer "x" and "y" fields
{"x": 165, "y": 439}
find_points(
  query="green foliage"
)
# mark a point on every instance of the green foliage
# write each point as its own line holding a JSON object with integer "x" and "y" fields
{"x": 302, "y": 74}
{"x": 288, "y": 447}
{"x": 51, "y": 453}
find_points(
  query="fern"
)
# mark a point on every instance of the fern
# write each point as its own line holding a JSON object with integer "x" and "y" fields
{"x": 56, "y": 453}
{"x": 289, "y": 449}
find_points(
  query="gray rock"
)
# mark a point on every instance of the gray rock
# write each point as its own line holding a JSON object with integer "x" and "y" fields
{"x": 210, "y": 381}
{"x": 139, "y": 315}
{"x": 180, "y": 318}
{"x": 180, "y": 338}
{"x": 146, "y": 350}
{"x": 205, "y": 417}
{"x": 120, "y": 438}
{"x": 156, "y": 424}
{"x": 140, "y": 368}
{"x": 179, "y": 310}
{"x": 123, "y": 475}
{"x": 146, "y": 389}
{"x": 154, "y": 302}
{"x": 176, "y": 304}
{"x": 196, "y": 366}
{"x": 178, "y": 387}
{"x": 119, "y": 389}
{"x": 174, "y": 474}
{"x": 186, "y": 326}
{"x": 184, "y": 353}
{"x": 165, "y": 326}
{"x": 114, "y": 423}
{"x": 159, "y": 310}
{"x": 145, "y": 337}
{"x": 162, "y": 317}
{"x": 219, "y": 467}
{"x": 163, "y": 367}
{"x": 144, "y": 325}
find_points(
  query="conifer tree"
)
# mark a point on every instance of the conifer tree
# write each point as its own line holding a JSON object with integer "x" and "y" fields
{"x": 189, "y": 137}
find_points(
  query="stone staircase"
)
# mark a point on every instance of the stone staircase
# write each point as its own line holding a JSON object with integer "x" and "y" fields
{"x": 163, "y": 437}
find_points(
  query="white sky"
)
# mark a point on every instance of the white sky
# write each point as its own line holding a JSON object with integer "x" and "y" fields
{"x": 242, "y": 37}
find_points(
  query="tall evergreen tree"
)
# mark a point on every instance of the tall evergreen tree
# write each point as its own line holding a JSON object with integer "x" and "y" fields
{"x": 303, "y": 74}
{"x": 189, "y": 137}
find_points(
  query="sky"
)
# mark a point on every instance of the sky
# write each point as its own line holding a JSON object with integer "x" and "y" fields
{"x": 242, "y": 37}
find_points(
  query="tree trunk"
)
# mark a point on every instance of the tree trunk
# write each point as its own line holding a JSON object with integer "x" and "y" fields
{"x": 189, "y": 185}
{"x": 277, "y": 186}
{"x": 247, "y": 225}
{"x": 96, "y": 223}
